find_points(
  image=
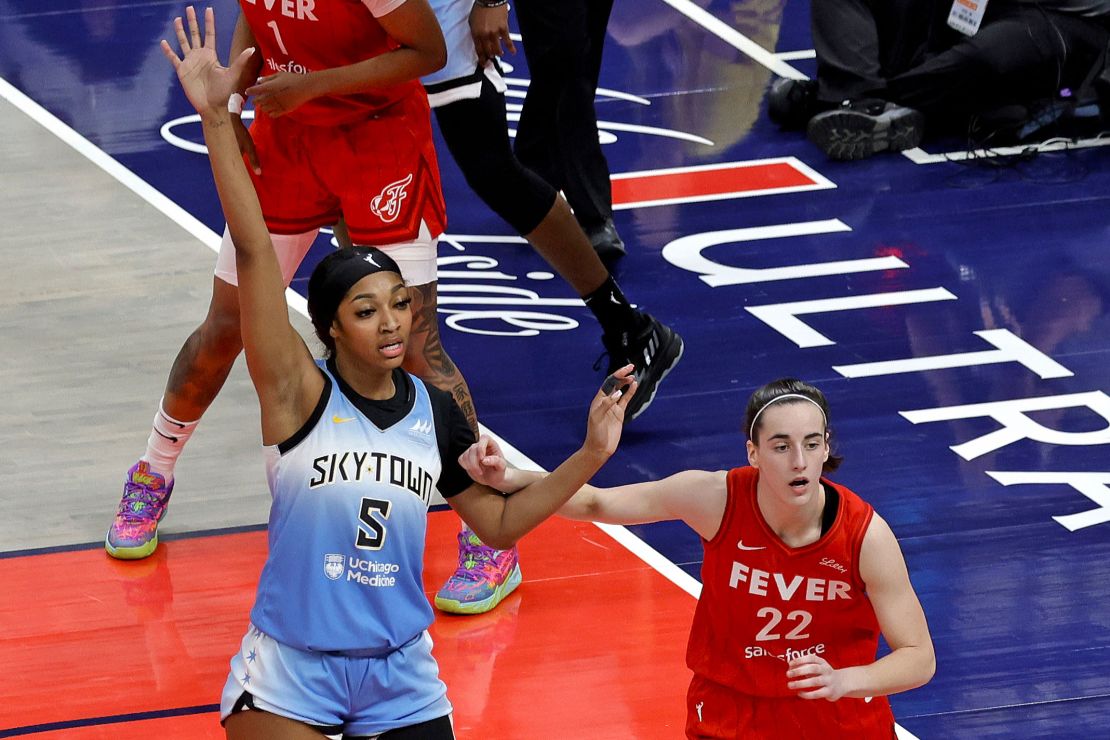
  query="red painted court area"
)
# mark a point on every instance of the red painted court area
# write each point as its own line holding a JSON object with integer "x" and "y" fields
{"x": 714, "y": 182}
{"x": 590, "y": 646}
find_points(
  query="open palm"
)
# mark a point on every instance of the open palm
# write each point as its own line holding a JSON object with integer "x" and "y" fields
{"x": 206, "y": 83}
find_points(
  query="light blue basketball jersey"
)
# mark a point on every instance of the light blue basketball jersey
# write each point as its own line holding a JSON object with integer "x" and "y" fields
{"x": 460, "y": 78}
{"x": 346, "y": 531}
{"x": 454, "y": 21}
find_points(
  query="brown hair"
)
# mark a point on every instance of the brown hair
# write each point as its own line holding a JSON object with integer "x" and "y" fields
{"x": 788, "y": 387}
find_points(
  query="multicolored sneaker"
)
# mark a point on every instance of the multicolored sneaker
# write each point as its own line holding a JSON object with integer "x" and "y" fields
{"x": 485, "y": 577}
{"x": 134, "y": 533}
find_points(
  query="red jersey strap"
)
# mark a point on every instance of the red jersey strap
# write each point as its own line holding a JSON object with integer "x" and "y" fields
{"x": 723, "y": 531}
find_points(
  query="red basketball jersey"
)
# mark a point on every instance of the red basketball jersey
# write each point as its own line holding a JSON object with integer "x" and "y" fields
{"x": 763, "y": 602}
{"x": 303, "y": 36}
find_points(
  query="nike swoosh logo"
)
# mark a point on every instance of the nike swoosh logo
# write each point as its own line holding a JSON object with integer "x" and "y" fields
{"x": 742, "y": 546}
{"x": 341, "y": 420}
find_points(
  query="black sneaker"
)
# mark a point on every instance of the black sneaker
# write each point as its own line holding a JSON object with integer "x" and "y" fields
{"x": 860, "y": 128}
{"x": 791, "y": 103}
{"x": 653, "y": 350}
{"x": 606, "y": 241}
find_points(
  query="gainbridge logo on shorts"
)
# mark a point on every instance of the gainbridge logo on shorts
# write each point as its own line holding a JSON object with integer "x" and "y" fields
{"x": 387, "y": 204}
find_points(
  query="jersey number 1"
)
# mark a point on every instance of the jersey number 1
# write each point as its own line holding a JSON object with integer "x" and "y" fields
{"x": 371, "y": 530}
{"x": 277, "y": 35}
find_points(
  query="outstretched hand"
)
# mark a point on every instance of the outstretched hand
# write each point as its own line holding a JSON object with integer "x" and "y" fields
{"x": 484, "y": 462}
{"x": 607, "y": 412}
{"x": 206, "y": 83}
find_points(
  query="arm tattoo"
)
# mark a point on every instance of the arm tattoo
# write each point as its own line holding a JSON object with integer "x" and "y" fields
{"x": 466, "y": 403}
{"x": 438, "y": 368}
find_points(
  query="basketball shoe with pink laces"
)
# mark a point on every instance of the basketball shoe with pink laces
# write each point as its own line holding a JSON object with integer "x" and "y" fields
{"x": 484, "y": 578}
{"x": 134, "y": 533}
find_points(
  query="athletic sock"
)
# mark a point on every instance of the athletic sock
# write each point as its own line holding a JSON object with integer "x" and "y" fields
{"x": 612, "y": 309}
{"x": 167, "y": 440}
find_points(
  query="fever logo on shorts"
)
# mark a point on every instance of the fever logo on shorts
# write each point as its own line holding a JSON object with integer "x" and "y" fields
{"x": 333, "y": 566}
{"x": 387, "y": 204}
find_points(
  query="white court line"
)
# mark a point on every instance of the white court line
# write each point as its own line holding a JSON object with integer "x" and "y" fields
{"x": 734, "y": 38}
{"x": 97, "y": 156}
{"x": 126, "y": 177}
{"x": 917, "y": 155}
{"x": 789, "y": 56}
{"x": 211, "y": 239}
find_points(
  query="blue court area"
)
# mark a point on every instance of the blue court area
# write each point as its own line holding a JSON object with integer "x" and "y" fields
{"x": 957, "y": 314}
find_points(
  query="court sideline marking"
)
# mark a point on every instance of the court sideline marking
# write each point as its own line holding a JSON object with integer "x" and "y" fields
{"x": 735, "y": 39}
{"x": 209, "y": 238}
{"x": 126, "y": 177}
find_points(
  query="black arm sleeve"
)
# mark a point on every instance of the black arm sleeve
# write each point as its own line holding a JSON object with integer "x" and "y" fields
{"x": 454, "y": 436}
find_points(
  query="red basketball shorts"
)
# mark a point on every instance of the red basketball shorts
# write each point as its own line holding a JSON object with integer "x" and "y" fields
{"x": 380, "y": 173}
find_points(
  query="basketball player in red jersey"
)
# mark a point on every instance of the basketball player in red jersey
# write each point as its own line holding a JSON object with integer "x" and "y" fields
{"x": 342, "y": 127}
{"x": 800, "y": 577}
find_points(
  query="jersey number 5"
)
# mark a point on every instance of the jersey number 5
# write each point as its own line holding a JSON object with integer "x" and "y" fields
{"x": 371, "y": 530}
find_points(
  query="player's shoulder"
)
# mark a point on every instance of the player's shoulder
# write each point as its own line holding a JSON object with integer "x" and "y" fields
{"x": 703, "y": 481}
{"x": 704, "y": 477}
{"x": 437, "y": 396}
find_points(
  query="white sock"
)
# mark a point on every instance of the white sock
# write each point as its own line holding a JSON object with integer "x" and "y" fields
{"x": 167, "y": 440}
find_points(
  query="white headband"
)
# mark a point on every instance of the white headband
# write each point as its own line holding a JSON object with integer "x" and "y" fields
{"x": 751, "y": 429}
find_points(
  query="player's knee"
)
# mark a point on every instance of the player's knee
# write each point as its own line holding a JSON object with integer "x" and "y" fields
{"x": 220, "y": 333}
{"x": 512, "y": 192}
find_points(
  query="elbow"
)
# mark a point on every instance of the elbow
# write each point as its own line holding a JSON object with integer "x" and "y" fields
{"x": 583, "y": 507}
{"x": 929, "y": 669}
{"x": 494, "y": 534}
{"x": 592, "y": 510}
{"x": 926, "y": 668}
{"x": 436, "y": 57}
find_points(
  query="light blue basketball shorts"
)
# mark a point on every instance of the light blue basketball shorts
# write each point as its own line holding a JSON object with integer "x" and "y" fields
{"x": 337, "y": 693}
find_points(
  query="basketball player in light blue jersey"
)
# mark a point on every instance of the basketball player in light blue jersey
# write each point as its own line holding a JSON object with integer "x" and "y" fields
{"x": 338, "y": 643}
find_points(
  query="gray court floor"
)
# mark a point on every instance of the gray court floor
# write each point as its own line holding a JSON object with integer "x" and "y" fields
{"x": 99, "y": 291}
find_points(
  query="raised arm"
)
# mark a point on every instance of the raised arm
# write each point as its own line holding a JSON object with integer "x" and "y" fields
{"x": 280, "y": 365}
{"x": 421, "y": 51}
{"x": 911, "y": 661}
